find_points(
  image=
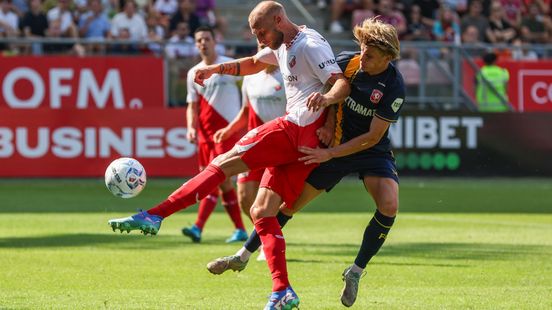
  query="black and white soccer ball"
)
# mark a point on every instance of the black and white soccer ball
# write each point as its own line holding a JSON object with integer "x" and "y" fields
{"x": 125, "y": 177}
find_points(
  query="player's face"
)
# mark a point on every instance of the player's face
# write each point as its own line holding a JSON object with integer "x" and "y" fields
{"x": 269, "y": 36}
{"x": 205, "y": 43}
{"x": 373, "y": 60}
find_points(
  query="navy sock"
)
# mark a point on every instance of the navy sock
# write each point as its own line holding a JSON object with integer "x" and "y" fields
{"x": 374, "y": 237}
{"x": 254, "y": 242}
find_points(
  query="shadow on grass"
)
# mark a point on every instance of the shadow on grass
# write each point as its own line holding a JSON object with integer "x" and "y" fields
{"x": 319, "y": 261}
{"x": 443, "y": 250}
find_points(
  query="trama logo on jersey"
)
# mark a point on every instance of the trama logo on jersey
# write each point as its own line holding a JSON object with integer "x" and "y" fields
{"x": 292, "y": 61}
{"x": 376, "y": 95}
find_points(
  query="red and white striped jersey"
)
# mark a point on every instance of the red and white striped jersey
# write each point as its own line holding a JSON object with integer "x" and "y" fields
{"x": 265, "y": 95}
{"x": 218, "y": 101}
{"x": 306, "y": 64}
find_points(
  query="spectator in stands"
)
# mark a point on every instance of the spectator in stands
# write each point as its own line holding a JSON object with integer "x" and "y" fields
{"x": 533, "y": 28}
{"x": 500, "y": 30}
{"x": 416, "y": 29}
{"x": 185, "y": 14}
{"x": 492, "y": 82}
{"x": 63, "y": 14}
{"x": 522, "y": 51}
{"x": 208, "y": 15}
{"x": 512, "y": 11}
{"x": 544, "y": 5}
{"x": 428, "y": 9}
{"x": 156, "y": 32}
{"x": 34, "y": 23}
{"x": 9, "y": 21}
{"x": 130, "y": 20}
{"x": 471, "y": 42}
{"x": 338, "y": 8}
{"x": 166, "y": 7}
{"x": 366, "y": 11}
{"x": 55, "y": 31}
{"x": 181, "y": 44}
{"x": 124, "y": 48}
{"x": 475, "y": 18}
{"x": 389, "y": 15}
{"x": 446, "y": 27}
{"x": 94, "y": 24}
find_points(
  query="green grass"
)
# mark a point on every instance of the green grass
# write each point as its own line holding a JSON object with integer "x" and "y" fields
{"x": 457, "y": 244}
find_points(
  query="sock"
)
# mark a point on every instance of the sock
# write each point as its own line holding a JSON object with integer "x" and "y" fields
{"x": 206, "y": 207}
{"x": 356, "y": 269}
{"x": 190, "y": 192}
{"x": 244, "y": 254}
{"x": 374, "y": 236}
{"x": 274, "y": 247}
{"x": 254, "y": 242}
{"x": 230, "y": 202}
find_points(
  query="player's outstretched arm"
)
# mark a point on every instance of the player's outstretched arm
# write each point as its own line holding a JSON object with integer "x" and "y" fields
{"x": 242, "y": 66}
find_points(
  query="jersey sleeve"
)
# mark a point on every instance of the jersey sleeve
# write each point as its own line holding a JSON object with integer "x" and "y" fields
{"x": 391, "y": 104}
{"x": 266, "y": 55}
{"x": 320, "y": 57}
{"x": 192, "y": 95}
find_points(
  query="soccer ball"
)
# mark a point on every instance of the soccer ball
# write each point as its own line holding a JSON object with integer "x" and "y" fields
{"x": 125, "y": 177}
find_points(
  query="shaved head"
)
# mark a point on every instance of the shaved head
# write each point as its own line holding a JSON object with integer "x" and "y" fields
{"x": 264, "y": 13}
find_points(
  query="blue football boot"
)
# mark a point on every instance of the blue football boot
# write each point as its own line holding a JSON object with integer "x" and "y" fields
{"x": 143, "y": 221}
{"x": 193, "y": 232}
{"x": 238, "y": 235}
{"x": 283, "y": 300}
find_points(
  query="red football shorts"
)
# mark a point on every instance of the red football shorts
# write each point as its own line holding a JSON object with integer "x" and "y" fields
{"x": 274, "y": 145}
{"x": 251, "y": 176}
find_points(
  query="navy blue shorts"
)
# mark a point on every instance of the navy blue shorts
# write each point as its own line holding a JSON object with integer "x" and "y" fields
{"x": 329, "y": 173}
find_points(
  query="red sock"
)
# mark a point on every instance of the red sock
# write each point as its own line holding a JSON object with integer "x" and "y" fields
{"x": 274, "y": 247}
{"x": 206, "y": 207}
{"x": 230, "y": 202}
{"x": 191, "y": 192}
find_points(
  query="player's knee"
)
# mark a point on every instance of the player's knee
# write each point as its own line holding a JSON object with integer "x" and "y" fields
{"x": 389, "y": 208}
{"x": 255, "y": 213}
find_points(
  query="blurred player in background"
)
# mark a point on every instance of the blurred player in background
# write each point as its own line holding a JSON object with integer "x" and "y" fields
{"x": 210, "y": 108}
{"x": 361, "y": 146}
{"x": 263, "y": 99}
{"x": 307, "y": 63}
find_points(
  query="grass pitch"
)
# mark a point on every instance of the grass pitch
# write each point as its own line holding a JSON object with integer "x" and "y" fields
{"x": 457, "y": 244}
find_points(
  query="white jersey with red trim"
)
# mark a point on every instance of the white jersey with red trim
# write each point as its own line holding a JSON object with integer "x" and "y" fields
{"x": 218, "y": 101}
{"x": 306, "y": 64}
{"x": 264, "y": 93}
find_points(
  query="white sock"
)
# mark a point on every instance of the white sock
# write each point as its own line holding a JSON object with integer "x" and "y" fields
{"x": 356, "y": 269}
{"x": 244, "y": 254}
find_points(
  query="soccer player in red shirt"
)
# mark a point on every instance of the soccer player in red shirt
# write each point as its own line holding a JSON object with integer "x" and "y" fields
{"x": 307, "y": 63}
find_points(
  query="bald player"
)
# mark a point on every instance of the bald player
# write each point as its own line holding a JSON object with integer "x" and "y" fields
{"x": 306, "y": 63}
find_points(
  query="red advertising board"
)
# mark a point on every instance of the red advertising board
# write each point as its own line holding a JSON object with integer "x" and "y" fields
{"x": 530, "y": 85}
{"x": 70, "y": 117}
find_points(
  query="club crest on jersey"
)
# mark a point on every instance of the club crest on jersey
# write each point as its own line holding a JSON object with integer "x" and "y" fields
{"x": 376, "y": 96}
{"x": 278, "y": 87}
{"x": 292, "y": 61}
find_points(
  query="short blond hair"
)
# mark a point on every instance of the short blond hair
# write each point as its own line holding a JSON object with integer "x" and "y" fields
{"x": 374, "y": 32}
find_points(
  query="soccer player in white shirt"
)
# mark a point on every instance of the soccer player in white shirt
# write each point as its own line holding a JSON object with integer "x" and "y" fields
{"x": 210, "y": 108}
{"x": 307, "y": 63}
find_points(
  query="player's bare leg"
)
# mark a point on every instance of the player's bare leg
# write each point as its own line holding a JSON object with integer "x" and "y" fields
{"x": 385, "y": 192}
{"x": 222, "y": 167}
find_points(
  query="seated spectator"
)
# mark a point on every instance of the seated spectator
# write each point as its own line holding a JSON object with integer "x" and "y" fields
{"x": 533, "y": 27}
{"x": 500, "y": 30}
{"x": 94, "y": 24}
{"x": 131, "y": 21}
{"x": 512, "y": 11}
{"x": 522, "y": 51}
{"x": 416, "y": 30}
{"x": 9, "y": 21}
{"x": 62, "y": 13}
{"x": 389, "y": 15}
{"x": 338, "y": 8}
{"x": 471, "y": 42}
{"x": 124, "y": 48}
{"x": 366, "y": 11}
{"x": 475, "y": 18}
{"x": 166, "y": 7}
{"x": 207, "y": 12}
{"x": 185, "y": 14}
{"x": 156, "y": 32}
{"x": 428, "y": 9}
{"x": 446, "y": 27}
{"x": 34, "y": 23}
{"x": 55, "y": 32}
{"x": 181, "y": 44}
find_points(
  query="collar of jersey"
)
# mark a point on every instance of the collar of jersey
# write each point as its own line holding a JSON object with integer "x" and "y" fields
{"x": 290, "y": 44}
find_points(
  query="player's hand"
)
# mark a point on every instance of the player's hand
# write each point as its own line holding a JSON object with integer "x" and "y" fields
{"x": 316, "y": 155}
{"x": 316, "y": 101}
{"x": 204, "y": 73}
{"x": 325, "y": 135}
{"x": 221, "y": 135}
{"x": 191, "y": 135}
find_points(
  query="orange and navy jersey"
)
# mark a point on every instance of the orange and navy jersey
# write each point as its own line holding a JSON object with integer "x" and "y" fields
{"x": 380, "y": 96}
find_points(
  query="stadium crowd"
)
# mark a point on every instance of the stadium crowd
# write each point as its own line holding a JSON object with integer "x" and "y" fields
{"x": 151, "y": 25}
